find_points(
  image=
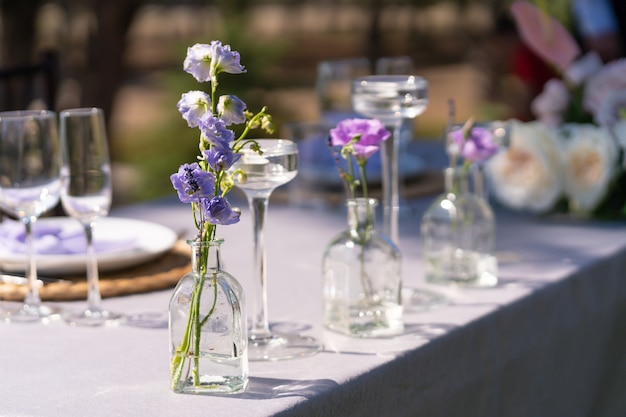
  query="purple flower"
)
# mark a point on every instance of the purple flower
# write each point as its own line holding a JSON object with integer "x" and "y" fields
{"x": 215, "y": 131}
{"x": 225, "y": 60}
{"x": 231, "y": 109}
{"x": 192, "y": 183}
{"x": 219, "y": 211}
{"x": 193, "y": 105}
{"x": 204, "y": 61}
{"x": 477, "y": 147}
{"x": 221, "y": 159}
{"x": 363, "y": 135}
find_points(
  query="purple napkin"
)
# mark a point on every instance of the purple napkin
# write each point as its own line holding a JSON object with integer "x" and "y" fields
{"x": 59, "y": 238}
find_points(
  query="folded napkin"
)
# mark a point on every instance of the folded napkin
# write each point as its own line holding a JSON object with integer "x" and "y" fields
{"x": 62, "y": 237}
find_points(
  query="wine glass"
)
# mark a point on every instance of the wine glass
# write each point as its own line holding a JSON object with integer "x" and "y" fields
{"x": 394, "y": 65}
{"x": 393, "y": 99}
{"x": 399, "y": 65}
{"x": 86, "y": 196}
{"x": 276, "y": 166}
{"x": 333, "y": 87}
{"x": 30, "y": 184}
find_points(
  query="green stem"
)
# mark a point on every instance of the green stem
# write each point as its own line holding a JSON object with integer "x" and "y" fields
{"x": 351, "y": 182}
{"x": 361, "y": 164}
{"x": 240, "y": 144}
{"x": 197, "y": 326}
{"x": 213, "y": 103}
{"x": 365, "y": 279}
{"x": 210, "y": 313}
{"x": 193, "y": 330}
{"x": 252, "y": 122}
{"x": 178, "y": 362}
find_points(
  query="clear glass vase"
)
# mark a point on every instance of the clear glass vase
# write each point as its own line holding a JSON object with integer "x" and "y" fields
{"x": 458, "y": 233}
{"x": 362, "y": 277}
{"x": 207, "y": 327}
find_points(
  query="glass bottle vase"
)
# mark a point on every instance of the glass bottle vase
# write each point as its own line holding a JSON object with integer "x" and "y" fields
{"x": 362, "y": 277}
{"x": 458, "y": 234}
{"x": 207, "y": 327}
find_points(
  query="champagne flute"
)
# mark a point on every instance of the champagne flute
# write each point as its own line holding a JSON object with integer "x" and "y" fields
{"x": 276, "y": 166}
{"x": 86, "y": 196}
{"x": 30, "y": 184}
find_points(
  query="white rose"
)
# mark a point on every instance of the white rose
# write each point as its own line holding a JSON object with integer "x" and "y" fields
{"x": 607, "y": 112}
{"x": 527, "y": 175}
{"x": 619, "y": 133}
{"x": 589, "y": 162}
{"x": 602, "y": 85}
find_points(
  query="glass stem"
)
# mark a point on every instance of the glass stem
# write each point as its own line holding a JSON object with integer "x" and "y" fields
{"x": 32, "y": 298}
{"x": 93, "y": 285}
{"x": 260, "y": 325}
{"x": 391, "y": 190}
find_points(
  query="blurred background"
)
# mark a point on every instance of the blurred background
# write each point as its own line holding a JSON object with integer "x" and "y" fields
{"x": 126, "y": 57}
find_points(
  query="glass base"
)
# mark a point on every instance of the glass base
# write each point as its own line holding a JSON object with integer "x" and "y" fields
{"x": 216, "y": 374}
{"x": 364, "y": 318}
{"x": 420, "y": 299}
{"x": 212, "y": 385}
{"x": 461, "y": 267}
{"x": 31, "y": 313}
{"x": 93, "y": 318}
{"x": 277, "y": 347}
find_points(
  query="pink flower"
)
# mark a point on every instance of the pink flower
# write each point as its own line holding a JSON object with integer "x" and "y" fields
{"x": 479, "y": 146}
{"x": 363, "y": 135}
{"x": 583, "y": 68}
{"x": 551, "y": 103}
{"x": 545, "y": 35}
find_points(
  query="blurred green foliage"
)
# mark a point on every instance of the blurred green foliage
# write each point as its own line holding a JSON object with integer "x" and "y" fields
{"x": 158, "y": 152}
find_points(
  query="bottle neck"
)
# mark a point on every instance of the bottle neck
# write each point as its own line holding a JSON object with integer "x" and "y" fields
{"x": 361, "y": 215}
{"x": 205, "y": 256}
{"x": 456, "y": 180}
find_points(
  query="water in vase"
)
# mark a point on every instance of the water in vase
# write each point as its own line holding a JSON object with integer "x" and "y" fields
{"x": 218, "y": 374}
{"x": 461, "y": 266}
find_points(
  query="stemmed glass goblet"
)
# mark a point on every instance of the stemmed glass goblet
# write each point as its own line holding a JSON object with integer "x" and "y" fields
{"x": 393, "y": 99}
{"x": 86, "y": 196}
{"x": 30, "y": 184}
{"x": 277, "y": 165}
{"x": 400, "y": 65}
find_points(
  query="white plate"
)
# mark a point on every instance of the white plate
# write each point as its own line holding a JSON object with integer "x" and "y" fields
{"x": 141, "y": 241}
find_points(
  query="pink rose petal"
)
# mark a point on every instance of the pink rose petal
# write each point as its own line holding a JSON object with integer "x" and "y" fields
{"x": 545, "y": 35}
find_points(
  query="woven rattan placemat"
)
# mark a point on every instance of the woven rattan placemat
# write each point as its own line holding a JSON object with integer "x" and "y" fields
{"x": 159, "y": 274}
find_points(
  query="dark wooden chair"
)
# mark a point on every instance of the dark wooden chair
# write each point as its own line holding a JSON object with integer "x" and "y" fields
{"x": 30, "y": 86}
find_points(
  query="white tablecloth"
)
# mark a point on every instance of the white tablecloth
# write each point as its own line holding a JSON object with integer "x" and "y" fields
{"x": 546, "y": 342}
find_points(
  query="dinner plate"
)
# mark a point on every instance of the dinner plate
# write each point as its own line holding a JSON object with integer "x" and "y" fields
{"x": 138, "y": 242}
